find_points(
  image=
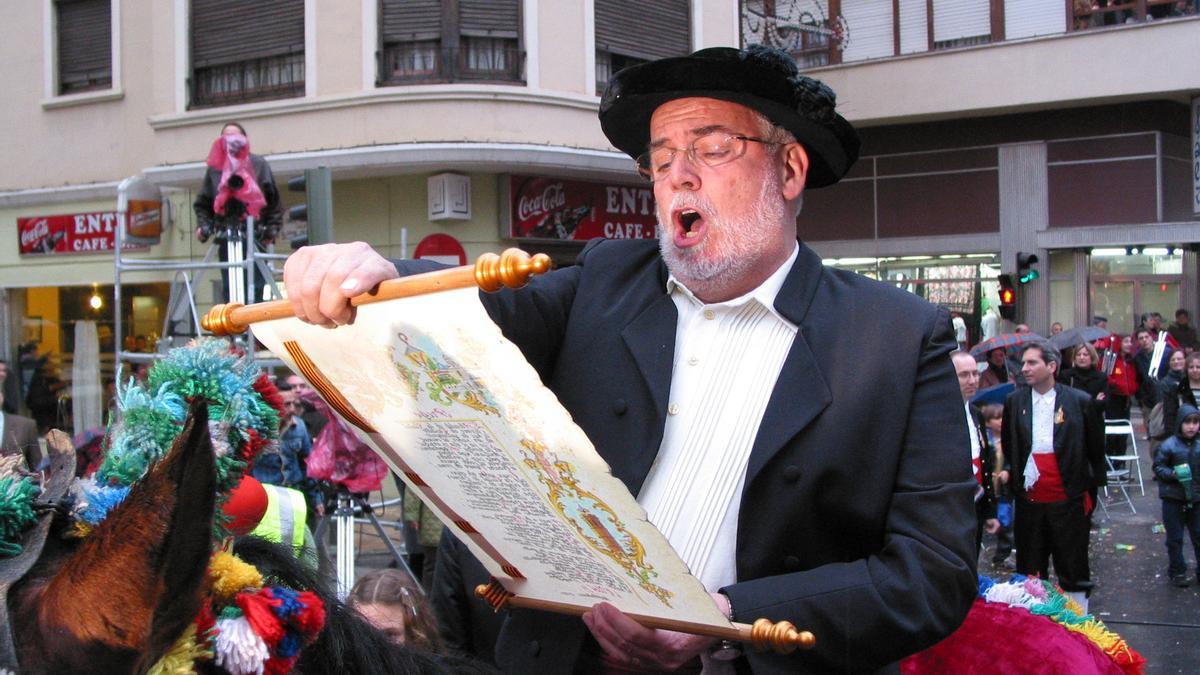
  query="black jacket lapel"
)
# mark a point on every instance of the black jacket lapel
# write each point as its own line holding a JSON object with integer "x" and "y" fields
{"x": 650, "y": 338}
{"x": 801, "y": 392}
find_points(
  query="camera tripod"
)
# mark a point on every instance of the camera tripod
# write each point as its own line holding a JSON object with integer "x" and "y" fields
{"x": 350, "y": 504}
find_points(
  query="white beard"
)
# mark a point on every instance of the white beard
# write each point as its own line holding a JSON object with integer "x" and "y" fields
{"x": 732, "y": 247}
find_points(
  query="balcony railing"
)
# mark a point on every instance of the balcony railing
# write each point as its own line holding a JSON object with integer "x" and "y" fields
{"x": 424, "y": 63}
{"x": 1099, "y": 13}
{"x": 261, "y": 79}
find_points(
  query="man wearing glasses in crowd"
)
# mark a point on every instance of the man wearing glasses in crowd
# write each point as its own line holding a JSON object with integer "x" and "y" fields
{"x": 707, "y": 373}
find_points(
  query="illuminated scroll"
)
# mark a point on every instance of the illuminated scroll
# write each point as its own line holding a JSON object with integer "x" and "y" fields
{"x": 455, "y": 409}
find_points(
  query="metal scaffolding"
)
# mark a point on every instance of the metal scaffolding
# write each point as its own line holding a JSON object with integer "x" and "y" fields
{"x": 182, "y": 318}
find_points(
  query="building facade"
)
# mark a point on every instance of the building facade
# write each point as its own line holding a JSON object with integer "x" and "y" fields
{"x": 990, "y": 127}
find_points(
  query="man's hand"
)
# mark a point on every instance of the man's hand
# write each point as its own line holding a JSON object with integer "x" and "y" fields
{"x": 321, "y": 280}
{"x": 628, "y": 642}
{"x": 992, "y": 525}
{"x": 1003, "y": 475}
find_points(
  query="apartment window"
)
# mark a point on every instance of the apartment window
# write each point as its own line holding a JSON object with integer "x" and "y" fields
{"x": 246, "y": 51}
{"x": 423, "y": 41}
{"x": 803, "y": 29}
{"x": 84, "y": 45}
{"x": 629, "y": 32}
{"x": 961, "y": 23}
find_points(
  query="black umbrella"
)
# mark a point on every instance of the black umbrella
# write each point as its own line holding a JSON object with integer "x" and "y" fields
{"x": 1077, "y": 336}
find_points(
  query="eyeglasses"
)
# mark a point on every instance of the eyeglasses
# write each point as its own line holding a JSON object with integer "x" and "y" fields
{"x": 710, "y": 150}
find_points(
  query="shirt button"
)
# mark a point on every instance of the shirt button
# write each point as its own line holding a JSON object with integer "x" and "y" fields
{"x": 673, "y": 409}
{"x": 693, "y": 361}
{"x": 709, "y": 314}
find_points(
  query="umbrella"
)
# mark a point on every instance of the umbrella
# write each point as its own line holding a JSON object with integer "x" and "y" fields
{"x": 993, "y": 394}
{"x": 1077, "y": 336}
{"x": 1003, "y": 341}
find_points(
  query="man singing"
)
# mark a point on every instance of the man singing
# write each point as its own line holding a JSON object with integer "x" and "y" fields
{"x": 707, "y": 373}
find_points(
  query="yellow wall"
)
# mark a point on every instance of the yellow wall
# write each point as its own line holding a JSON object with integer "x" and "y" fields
{"x": 43, "y": 303}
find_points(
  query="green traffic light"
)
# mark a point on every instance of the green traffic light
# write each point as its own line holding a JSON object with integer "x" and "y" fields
{"x": 1029, "y": 276}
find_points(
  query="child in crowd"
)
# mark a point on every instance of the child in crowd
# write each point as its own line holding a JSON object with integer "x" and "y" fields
{"x": 993, "y": 416}
{"x": 1176, "y": 462}
{"x": 392, "y": 602}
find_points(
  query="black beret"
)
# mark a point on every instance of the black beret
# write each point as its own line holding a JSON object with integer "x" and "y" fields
{"x": 761, "y": 78}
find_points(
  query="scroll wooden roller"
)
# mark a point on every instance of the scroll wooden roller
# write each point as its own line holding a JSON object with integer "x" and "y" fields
{"x": 511, "y": 269}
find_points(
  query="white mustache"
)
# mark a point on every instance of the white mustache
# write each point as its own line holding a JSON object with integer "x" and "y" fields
{"x": 690, "y": 200}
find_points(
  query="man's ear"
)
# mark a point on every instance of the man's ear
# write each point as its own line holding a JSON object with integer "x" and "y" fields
{"x": 795, "y": 170}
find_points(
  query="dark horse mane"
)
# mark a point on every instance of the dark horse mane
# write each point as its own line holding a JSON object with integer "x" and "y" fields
{"x": 348, "y": 644}
{"x": 118, "y": 599}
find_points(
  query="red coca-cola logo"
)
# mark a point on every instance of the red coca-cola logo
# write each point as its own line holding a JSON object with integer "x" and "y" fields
{"x": 39, "y": 230}
{"x": 553, "y": 197}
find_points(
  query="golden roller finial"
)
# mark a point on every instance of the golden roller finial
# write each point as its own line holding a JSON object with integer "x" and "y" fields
{"x": 511, "y": 269}
{"x": 780, "y": 636}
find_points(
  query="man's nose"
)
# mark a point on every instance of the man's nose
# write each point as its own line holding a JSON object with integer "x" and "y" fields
{"x": 682, "y": 173}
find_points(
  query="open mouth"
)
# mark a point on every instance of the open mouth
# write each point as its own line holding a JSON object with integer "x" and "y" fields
{"x": 689, "y": 224}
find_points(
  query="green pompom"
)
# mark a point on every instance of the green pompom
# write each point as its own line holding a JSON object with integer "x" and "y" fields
{"x": 16, "y": 513}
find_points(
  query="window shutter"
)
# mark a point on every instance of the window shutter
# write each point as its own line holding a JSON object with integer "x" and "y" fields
{"x": 914, "y": 35}
{"x": 958, "y": 19}
{"x": 644, "y": 29}
{"x": 1027, "y": 18}
{"x": 84, "y": 44}
{"x": 871, "y": 29}
{"x": 228, "y": 31}
{"x": 410, "y": 20}
{"x": 489, "y": 18}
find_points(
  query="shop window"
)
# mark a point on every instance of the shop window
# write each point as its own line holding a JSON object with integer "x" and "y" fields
{"x": 84, "y": 39}
{"x": 246, "y": 51}
{"x": 629, "y": 32}
{"x": 962, "y": 283}
{"x": 1061, "y": 277}
{"x": 426, "y": 41}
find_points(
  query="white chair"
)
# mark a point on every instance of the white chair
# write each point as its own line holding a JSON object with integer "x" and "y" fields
{"x": 1125, "y": 428}
{"x": 1118, "y": 479}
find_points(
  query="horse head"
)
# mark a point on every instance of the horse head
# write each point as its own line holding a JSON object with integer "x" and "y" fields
{"x": 119, "y": 598}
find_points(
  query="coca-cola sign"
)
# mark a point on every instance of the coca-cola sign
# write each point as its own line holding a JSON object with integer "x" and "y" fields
{"x": 553, "y": 208}
{"x": 72, "y": 233}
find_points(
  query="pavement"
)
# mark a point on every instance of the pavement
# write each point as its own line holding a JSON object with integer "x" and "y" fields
{"x": 1133, "y": 594}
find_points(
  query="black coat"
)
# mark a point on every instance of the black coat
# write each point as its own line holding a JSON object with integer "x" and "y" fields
{"x": 857, "y": 518}
{"x": 986, "y": 506}
{"x": 210, "y": 223}
{"x": 1078, "y": 439}
{"x": 1180, "y": 394}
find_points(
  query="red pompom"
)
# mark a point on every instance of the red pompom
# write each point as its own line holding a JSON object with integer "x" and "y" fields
{"x": 278, "y": 666}
{"x": 257, "y": 608}
{"x": 269, "y": 392}
{"x": 246, "y": 505}
{"x": 312, "y": 619}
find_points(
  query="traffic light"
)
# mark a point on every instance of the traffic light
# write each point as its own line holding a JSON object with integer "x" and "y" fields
{"x": 1008, "y": 297}
{"x": 1025, "y": 271}
{"x": 317, "y": 211}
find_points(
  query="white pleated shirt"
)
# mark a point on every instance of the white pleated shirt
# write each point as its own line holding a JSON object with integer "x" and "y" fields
{"x": 727, "y": 358}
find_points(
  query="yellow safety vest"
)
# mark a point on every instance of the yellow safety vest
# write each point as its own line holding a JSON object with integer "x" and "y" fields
{"x": 284, "y": 519}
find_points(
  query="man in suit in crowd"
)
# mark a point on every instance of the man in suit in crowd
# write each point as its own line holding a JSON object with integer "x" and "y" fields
{"x": 20, "y": 438}
{"x": 1054, "y": 442}
{"x": 706, "y": 372}
{"x": 983, "y": 455}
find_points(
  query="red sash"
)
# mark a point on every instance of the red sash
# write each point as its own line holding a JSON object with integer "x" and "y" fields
{"x": 1049, "y": 486}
